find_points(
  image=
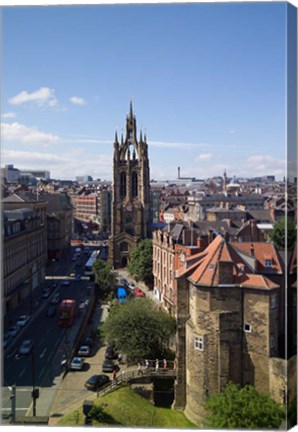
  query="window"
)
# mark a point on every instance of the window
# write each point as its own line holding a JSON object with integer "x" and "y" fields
{"x": 199, "y": 343}
{"x": 272, "y": 342}
{"x": 273, "y": 301}
{"x": 122, "y": 185}
{"x": 247, "y": 328}
{"x": 134, "y": 184}
{"x": 268, "y": 262}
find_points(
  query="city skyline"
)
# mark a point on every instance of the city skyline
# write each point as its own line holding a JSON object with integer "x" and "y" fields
{"x": 207, "y": 81}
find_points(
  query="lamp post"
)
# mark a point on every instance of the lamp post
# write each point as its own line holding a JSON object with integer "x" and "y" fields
{"x": 35, "y": 391}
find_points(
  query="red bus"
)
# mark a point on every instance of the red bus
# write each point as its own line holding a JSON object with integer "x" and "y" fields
{"x": 67, "y": 310}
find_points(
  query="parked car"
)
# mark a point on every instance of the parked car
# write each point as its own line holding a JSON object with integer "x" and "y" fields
{"x": 22, "y": 321}
{"x": 72, "y": 274}
{"x": 88, "y": 341}
{"x": 108, "y": 366}
{"x": 55, "y": 299}
{"x": 7, "y": 338}
{"x": 45, "y": 294}
{"x": 66, "y": 282}
{"x": 84, "y": 351}
{"x": 51, "y": 311}
{"x": 138, "y": 292}
{"x": 77, "y": 363}
{"x": 130, "y": 286}
{"x": 110, "y": 352}
{"x": 26, "y": 347}
{"x": 78, "y": 278}
{"x": 13, "y": 331}
{"x": 96, "y": 381}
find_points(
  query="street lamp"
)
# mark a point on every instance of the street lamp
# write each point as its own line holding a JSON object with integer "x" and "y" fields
{"x": 35, "y": 391}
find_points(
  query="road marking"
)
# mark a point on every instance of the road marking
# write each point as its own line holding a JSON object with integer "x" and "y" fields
{"x": 43, "y": 353}
{"x": 41, "y": 372}
{"x": 22, "y": 372}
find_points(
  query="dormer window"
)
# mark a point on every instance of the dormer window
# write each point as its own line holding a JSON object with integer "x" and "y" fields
{"x": 268, "y": 262}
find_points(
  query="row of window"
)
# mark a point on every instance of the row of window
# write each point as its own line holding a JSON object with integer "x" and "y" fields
{"x": 199, "y": 340}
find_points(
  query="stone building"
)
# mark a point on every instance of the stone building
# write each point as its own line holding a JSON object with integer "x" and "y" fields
{"x": 130, "y": 207}
{"x": 60, "y": 219}
{"x": 24, "y": 255}
{"x": 230, "y": 321}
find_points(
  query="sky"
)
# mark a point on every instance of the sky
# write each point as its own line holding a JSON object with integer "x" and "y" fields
{"x": 207, "y": 82}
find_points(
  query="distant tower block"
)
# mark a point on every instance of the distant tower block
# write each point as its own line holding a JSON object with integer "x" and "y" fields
{"x": 178, "y": 172}
{"x": 130, "y": 193}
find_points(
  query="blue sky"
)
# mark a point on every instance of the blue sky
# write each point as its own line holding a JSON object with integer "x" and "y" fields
{"x": 207, "y": 82}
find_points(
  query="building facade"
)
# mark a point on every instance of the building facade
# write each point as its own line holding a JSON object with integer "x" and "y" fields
{"x": 24, "y": 255}
{"x": 130, "y": 207}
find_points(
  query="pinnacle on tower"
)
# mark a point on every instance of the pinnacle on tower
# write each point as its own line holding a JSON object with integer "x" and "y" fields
{"x": 116, "y": 137}
{"x": 130, "y": 109}
{"x": 141, "y": 136}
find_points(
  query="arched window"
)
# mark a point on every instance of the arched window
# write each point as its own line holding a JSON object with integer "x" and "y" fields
{"x": 122, "y": 185}
{"x": 134, "y": 185}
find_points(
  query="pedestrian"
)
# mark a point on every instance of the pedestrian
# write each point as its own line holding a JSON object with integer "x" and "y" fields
{"x": 165, "y": 365}
{"x": 114, "y": 377}
{"x": 175, "y": 365}
{"x": 120, "y": 359}
{"x": 123, "y": 375}
{"x": 146, "y": 364}
{"x": 139, "y": 369}
{"x": 156, "y": 365}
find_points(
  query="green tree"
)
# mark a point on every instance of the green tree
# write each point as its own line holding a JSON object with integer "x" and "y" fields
{"x": 139, "y": 329}
{"x": 104, "y": 276}
{"x": 140, "y": 262}
{"x": 243, "y": 408}
{"x": 278, "y": 235}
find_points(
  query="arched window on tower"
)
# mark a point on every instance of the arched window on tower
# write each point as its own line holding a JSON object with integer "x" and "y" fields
{"x": 134, "y": 185}
{"x": 122, "y": 185}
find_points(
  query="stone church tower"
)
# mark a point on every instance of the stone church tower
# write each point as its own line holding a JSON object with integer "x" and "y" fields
{"x": 130, "y": 196}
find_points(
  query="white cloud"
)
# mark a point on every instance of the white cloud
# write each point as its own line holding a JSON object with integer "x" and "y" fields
{"x": 204, "y": 157}
{"x": 8, "y": 115}
{"x": 263, "y": 164}
{"x": 77, "y": 100}
{"x": 41, "y": 97}
{"x": 27, "y": 135}
{"x": 67, "y": 165}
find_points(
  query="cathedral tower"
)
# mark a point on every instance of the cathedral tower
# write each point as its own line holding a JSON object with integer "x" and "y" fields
{"x": 130, "y": 196}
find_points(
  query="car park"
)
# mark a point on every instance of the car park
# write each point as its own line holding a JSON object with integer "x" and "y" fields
{"x": 51, "y": 311}
{"x": 22, "y": 321}
{"x": 13, "y": 331}
{"x": 138, "y": 292}
{"x": 108, "y": 366}
{"x": 96, "y": 381}
{"x": 84, "y": 351}
{"x": 77, "y": 363}
{"x": 55, "y": 299}
{"x": 26, "y": 347}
